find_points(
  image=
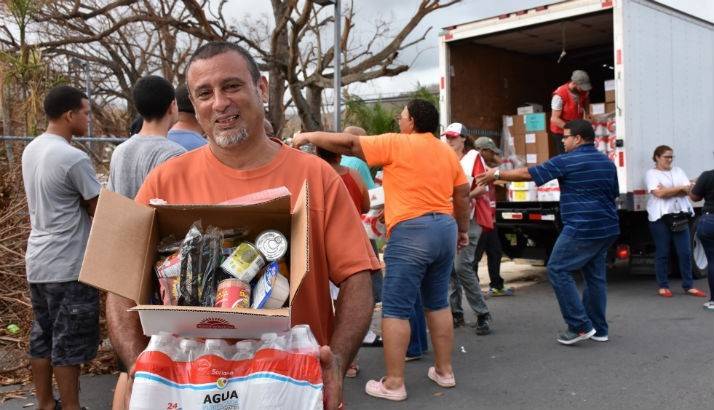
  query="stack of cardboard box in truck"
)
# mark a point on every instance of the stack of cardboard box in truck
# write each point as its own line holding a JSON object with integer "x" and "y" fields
{"x": 530, "y": 137}
{"x": 607, "y": 107}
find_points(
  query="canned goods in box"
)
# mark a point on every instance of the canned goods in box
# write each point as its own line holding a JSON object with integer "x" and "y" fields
{"x": 272, "y": 244}
{"x": 233, "y": 293}
{"x": 244, "y": 263}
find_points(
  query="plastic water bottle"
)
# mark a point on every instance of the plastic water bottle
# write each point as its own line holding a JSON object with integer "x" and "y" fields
{"x": 272, "y": 341}
{"x": 301, "y": 340}
{"x": 216, "y": 347}
{"x": 188, "y": 350}
{"x": 244, "y": 350}
{"x": 163, "y": 342}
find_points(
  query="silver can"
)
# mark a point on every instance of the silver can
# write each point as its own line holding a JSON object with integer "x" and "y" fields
{"x": 272, "y": 244}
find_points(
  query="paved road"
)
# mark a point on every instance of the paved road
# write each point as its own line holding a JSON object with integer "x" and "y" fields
{"x": 661, "y": 356}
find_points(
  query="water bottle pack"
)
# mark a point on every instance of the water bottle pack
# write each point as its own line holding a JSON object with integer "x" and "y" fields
{"x": 279, "y": 371}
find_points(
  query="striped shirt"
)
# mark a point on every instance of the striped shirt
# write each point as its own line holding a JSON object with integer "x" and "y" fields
{"x": 588, "y": 188}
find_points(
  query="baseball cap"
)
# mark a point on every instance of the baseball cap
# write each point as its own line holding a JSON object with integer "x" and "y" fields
{"x": 455, "y": 130}
{"x": 581, "y": 79}
{"x": 486, "y": 143}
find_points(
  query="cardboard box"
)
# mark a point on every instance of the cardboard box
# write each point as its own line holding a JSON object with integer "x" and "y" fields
{"x": 515, "y": 124}
{"x": 549, "y": 192}
{"x": 121, "y": 253}
{"x": 610, "y": 91}
{"x": 529, "y": 108}
{"x": 597, "y": 108}
{"x": 610, "y": 107}
{"x": 522, "y": 192}
{"x": 539, "y": 147}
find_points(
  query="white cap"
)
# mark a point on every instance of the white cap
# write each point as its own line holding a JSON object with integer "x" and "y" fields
{"x": 454, "y": 130}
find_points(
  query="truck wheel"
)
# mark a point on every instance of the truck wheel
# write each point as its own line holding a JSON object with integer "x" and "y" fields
{"x": 699, "y": 259}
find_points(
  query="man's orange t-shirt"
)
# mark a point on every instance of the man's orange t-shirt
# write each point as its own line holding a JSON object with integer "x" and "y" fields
{"x": 420, "y": 173}
{"x": 338, "y": 243}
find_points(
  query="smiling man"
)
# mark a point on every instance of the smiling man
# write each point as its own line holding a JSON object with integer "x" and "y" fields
{"x": 228, "y": 93}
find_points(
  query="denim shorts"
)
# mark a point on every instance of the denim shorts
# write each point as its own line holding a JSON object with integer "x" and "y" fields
{"x": 66, "y": 325}
{"x": 419, "y": 258}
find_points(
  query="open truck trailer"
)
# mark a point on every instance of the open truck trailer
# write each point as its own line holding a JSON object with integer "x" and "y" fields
{"x": 662, "y": 63}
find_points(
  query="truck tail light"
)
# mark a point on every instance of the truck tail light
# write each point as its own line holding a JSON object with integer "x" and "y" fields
{"x": 623, "y": 252}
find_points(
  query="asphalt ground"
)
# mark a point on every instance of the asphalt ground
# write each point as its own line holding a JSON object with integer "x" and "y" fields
{"x": 660, "y": 356}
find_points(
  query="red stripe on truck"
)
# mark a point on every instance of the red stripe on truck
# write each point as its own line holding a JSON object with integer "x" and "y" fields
{"x": 441, "y": 82}
{"x": 619, "y": 56}
{"x": 606, "y": 3}
{"x": 622, "y": 159}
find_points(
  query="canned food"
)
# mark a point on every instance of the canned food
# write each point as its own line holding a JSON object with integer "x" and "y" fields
{"x": 272, "y": 244}
{"x": 244, "y": 263}
{"x": 232, "y": 294}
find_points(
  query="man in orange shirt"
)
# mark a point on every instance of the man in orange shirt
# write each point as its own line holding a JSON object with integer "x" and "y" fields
{"x": 228, "y": 93}
{"x": 421, "y": 176}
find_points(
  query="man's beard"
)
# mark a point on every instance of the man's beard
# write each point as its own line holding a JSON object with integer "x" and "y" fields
{"x": 229, "y": 138}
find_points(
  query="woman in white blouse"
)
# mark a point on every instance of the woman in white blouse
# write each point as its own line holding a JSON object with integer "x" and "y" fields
{"x": 668, "y": 211}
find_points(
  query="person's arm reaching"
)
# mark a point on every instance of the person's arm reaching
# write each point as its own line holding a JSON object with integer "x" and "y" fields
{"x": 353, "y": 313}
{"x": 337, "y": 142}
{"x": 518, "y": 174}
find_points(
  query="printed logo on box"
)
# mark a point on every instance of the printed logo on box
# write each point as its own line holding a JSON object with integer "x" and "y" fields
{"x": 214, "y": 323}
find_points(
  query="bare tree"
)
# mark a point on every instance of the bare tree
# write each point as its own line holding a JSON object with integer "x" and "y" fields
{"x": 126, "y": 39}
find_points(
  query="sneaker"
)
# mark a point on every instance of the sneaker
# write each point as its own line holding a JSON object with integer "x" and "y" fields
{"x": 492, "y": 292}
{"x": 568, "y": 337}
{"x": 597, "y": 338}
{"x": 483, "y": 324}
{"x": 458, "y": 320}
{"x": 709, "y": 306}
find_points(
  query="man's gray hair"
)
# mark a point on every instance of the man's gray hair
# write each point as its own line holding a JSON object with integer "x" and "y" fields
{"x": 215, "y": 48}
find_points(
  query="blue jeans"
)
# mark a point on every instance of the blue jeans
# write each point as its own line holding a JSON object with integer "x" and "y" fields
{"x": 568, "y": 256}
{"x": 705, "y": 233}
{"x": 663, "y": 239}
{"x": 418, "y": 340}
{"x": 419, "y": 258}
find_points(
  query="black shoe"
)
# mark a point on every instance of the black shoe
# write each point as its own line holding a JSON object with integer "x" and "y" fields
{"x": 483, "y": 324}
{"x": 458, "y": 320}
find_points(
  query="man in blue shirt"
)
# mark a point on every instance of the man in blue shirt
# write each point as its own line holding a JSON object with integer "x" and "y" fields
{"x": 588, "y": 188}
{"x": 186, "y": 132}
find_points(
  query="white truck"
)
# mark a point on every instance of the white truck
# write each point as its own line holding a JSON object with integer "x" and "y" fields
{"x": 662, "y": 63}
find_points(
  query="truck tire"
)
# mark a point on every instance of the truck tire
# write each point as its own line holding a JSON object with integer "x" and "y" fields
{"x": 699, "y": 260}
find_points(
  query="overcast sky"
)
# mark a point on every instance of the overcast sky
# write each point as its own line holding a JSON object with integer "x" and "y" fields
{"x": 423, "y": 57}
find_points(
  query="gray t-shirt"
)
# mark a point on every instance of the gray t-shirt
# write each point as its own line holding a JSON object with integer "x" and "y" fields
{"x": 133, "y": 159}
{"x": 57, "y": 177}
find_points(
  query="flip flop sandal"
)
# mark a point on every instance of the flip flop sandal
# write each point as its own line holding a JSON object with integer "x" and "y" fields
{"x": 696, "y": 293}
{"x": 352, "y": 370}
{"x": 375, "y": 388}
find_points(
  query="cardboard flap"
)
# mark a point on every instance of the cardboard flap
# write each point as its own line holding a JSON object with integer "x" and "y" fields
{"x": 116, "y": 258}
{"x": 299, "y": 241}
